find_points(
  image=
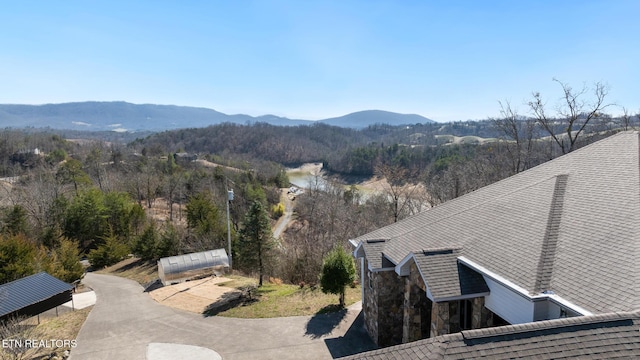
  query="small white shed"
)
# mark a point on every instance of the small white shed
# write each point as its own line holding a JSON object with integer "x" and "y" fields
{"x": 175, "y": 269}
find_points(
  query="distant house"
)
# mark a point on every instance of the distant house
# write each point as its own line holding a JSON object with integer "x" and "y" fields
{"x": 27, "y": 157}
{"x": 179, "y": 268}
{"x": 184, "y": 157}
{"x": 559, "y": 240}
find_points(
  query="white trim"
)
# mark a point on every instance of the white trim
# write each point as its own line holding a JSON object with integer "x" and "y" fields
{"x": 354, "y": 243}
{"x": 362, "y": 274}
{"x": 402, "y": 272}
{"x": 573, "y": 307}
{"x": 380, "y": 269}
{"x": 522, "y": 291}
{"x": 357, "y": 250}
{"x": 462, "y": 297}
{"x": 400, "y": 268}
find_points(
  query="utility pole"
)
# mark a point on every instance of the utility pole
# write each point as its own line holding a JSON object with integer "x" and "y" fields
{"x": 229, "y": 198}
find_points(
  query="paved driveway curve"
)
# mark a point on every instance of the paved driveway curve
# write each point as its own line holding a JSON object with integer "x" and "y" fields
{"x": 125, "y": 320}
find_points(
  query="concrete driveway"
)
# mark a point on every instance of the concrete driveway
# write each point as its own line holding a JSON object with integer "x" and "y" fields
{"x": 125, "y": 320}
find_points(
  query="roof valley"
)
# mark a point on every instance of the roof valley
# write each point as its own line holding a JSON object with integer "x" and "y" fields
{"x": 550, "y": 241}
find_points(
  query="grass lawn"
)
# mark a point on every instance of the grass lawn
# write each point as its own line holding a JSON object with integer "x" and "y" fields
{"x": 279, "y": 300}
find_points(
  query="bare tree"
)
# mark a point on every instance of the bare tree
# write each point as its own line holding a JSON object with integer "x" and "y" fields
{"x": 399, "y": 191}
{"x": 520, "y": 132}
{"x": 628, "y": 119}
{"x": 573, "y": 114}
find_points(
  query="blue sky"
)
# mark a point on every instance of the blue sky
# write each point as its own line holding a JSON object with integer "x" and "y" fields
{"x": 446, "y": 60}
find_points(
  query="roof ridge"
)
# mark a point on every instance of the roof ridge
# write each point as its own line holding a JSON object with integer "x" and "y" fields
{"x": 548, "y": 324}
{"x": 438, "y": 250}
{"x": 550, "y": 241}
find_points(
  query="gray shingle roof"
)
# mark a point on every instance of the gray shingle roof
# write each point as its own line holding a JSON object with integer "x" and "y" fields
{"x": 29, "y": 290}
{"x": 571, "y": 226}
{"x": 445, "y": 277}
{"x": 373, "y": 249}
{"x": 607, "y": 336}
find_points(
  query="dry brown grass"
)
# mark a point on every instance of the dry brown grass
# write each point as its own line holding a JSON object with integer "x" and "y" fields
{"x": 51, "y": 330}
{"x": 134, "y": 269}
{"x": 65, "y": 326}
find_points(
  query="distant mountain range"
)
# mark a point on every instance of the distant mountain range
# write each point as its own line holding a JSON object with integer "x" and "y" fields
{"x": 121, "y": 116}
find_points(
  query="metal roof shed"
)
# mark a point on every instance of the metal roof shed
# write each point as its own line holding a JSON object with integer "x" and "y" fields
{"x": 33, "y": 295}
{"x": 174, "y": 269}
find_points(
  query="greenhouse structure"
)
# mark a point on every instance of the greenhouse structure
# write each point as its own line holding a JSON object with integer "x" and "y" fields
{"x": 176, "y": 269}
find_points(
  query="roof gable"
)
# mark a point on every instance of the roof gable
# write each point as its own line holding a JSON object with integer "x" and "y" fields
{"x": 373, "y": 249}
{"x": 445, "y": 277}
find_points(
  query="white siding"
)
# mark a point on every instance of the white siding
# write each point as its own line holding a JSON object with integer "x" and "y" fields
{"x": 548, "y": 309}
{"x": 543, "y": 309}
{"x": 553, "y": 310}
{"x": 507, "y": 303}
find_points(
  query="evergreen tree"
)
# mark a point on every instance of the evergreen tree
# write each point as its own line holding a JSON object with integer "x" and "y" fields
{"x": 256, "y": 242}
{"x": 86, "y": 218}
{"x": 108, "y": 253}
{"x": 146, "y": 245}
{"x": 15, "y": 221}
{"x": 338, "y": 271}
{"x": 71, "y": 172}
{"x": 169, "y": 243}
{"x": 16, "y": 257}
{"x": 68, "y": 257}
{"x": 94, "y": 215}
{"x": 204, "y": 222}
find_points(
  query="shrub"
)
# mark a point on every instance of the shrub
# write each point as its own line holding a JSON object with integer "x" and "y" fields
{"x": 108, "y": 253}
{"x": 338, "y": 271}
{"x": 277, "y": 210}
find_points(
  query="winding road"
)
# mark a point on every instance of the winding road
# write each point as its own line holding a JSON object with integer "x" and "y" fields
{"x": 126, "y": 323}
{"x": 284, "y": 220}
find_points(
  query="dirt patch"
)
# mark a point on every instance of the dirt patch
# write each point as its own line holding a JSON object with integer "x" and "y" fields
{"x": 194, "y": 296}
{"x": 375, "y": 183}
{"x": 209, "y": 164}
{"x": 159, "y": 211}
{"x": 308, "y": 168}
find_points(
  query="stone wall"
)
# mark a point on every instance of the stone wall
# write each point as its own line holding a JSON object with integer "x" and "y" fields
{"x": 397, "y": 310}
{"x": 445, "y": 318}
{"x": 454, "y": 316}
{"x": 383, "y": 306}
{"x": 390, "y": 288}
{"x": 486, "y": 315}
{"x": 370, "y": 304}
{"x": 416, "y": 323}
{"x": 439, "y": 319}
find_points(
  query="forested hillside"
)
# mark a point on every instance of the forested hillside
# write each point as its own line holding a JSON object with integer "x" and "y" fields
{"x": 166, "y": 194}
